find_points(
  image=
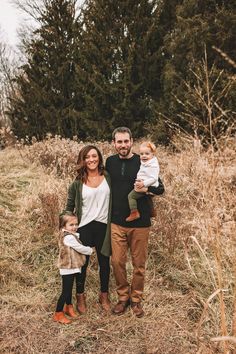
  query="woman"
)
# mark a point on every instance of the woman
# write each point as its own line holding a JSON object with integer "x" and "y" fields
{"x": 89, "y": 196}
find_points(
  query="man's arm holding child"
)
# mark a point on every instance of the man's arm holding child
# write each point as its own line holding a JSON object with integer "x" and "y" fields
{"x": 151, "y": 189}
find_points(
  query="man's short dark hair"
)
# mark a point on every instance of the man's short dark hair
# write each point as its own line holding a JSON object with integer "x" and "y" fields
{"x": 121, "y": 130}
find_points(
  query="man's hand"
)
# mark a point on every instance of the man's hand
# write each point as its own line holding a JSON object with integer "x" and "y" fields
{"x": 141, "y": 190}
{"x": 138, "y": 184}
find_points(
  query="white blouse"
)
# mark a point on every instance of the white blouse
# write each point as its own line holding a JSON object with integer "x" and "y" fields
{"x": 95, "y": 203}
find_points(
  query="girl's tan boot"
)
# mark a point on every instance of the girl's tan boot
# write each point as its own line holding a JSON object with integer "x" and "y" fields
{"x": 69, "y": 310}
{"x": 60, "y": 317}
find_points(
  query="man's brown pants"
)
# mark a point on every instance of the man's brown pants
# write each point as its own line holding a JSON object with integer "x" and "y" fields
{"x": 135, "y": 239}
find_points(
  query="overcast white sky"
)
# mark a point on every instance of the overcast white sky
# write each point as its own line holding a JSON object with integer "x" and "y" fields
{"x": 10, "y": 19}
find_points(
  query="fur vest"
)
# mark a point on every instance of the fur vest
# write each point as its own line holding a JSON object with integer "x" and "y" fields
{"x": 68, "y": 257}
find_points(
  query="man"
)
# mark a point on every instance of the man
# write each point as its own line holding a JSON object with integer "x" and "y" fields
{"x": 123, "y": 168}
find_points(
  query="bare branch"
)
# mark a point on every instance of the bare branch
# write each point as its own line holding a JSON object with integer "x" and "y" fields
{"x": 225, "y": 56}
{"x": 33, "y": 8}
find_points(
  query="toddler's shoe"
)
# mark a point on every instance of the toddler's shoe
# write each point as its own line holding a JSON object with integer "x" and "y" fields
{"x": 69, "y": 310}
{"x": 133, "y": 215}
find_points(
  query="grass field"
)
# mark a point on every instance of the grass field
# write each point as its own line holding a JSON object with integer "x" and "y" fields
{"x": 189, "y": 300}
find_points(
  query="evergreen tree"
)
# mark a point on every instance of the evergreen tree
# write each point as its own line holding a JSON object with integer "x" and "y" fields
{"x": 199, "y": 26}
{"x": 45, "y": 99}
{"x": 113, "y": 65}
{"x": 128, "y": 63}
{"x": 164, "y": 25}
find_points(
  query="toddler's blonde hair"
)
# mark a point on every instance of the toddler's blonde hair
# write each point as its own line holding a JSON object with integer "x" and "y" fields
{"x": 150, "y": 145}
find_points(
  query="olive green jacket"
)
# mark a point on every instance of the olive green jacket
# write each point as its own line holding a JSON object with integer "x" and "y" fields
{"x": 74, "y": 204}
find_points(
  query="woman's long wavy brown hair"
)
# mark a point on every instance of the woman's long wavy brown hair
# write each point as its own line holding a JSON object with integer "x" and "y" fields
{"x": 82, "y": 173}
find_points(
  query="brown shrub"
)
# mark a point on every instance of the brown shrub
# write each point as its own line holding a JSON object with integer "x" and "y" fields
{"x": 58, "y": 155}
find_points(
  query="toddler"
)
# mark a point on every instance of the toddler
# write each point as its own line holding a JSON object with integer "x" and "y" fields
{"x": 146, "y": 176}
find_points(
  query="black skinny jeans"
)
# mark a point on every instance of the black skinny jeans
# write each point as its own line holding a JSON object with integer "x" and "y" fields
{"x": 66, "y": 295}
{"x": 93, "y": 235}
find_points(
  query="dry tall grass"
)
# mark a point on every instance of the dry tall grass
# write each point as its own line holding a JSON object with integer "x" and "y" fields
{"x": 190, "y": 281}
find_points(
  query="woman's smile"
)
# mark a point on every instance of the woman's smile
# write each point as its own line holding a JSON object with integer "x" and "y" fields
{"x": 92, "y": 159}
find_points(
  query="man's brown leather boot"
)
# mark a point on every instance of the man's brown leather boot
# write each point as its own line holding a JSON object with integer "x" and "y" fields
{"x": 120, "y": 307}
{"x": 137, "y": 309}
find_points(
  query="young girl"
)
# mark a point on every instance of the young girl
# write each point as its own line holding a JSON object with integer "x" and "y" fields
{"x": 146, "y": 176}
{"x": 71, "y": 259}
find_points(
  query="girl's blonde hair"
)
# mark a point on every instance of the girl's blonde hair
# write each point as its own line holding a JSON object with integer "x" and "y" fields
{"x": 150, "y": 145}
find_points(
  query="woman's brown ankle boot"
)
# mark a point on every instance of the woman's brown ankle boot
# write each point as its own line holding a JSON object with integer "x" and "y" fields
{"x": 81, "y": 303}
{"x": 104, "y": 301}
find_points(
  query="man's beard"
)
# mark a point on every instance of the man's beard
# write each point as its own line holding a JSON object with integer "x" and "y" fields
{"x": 124, "y": 152}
